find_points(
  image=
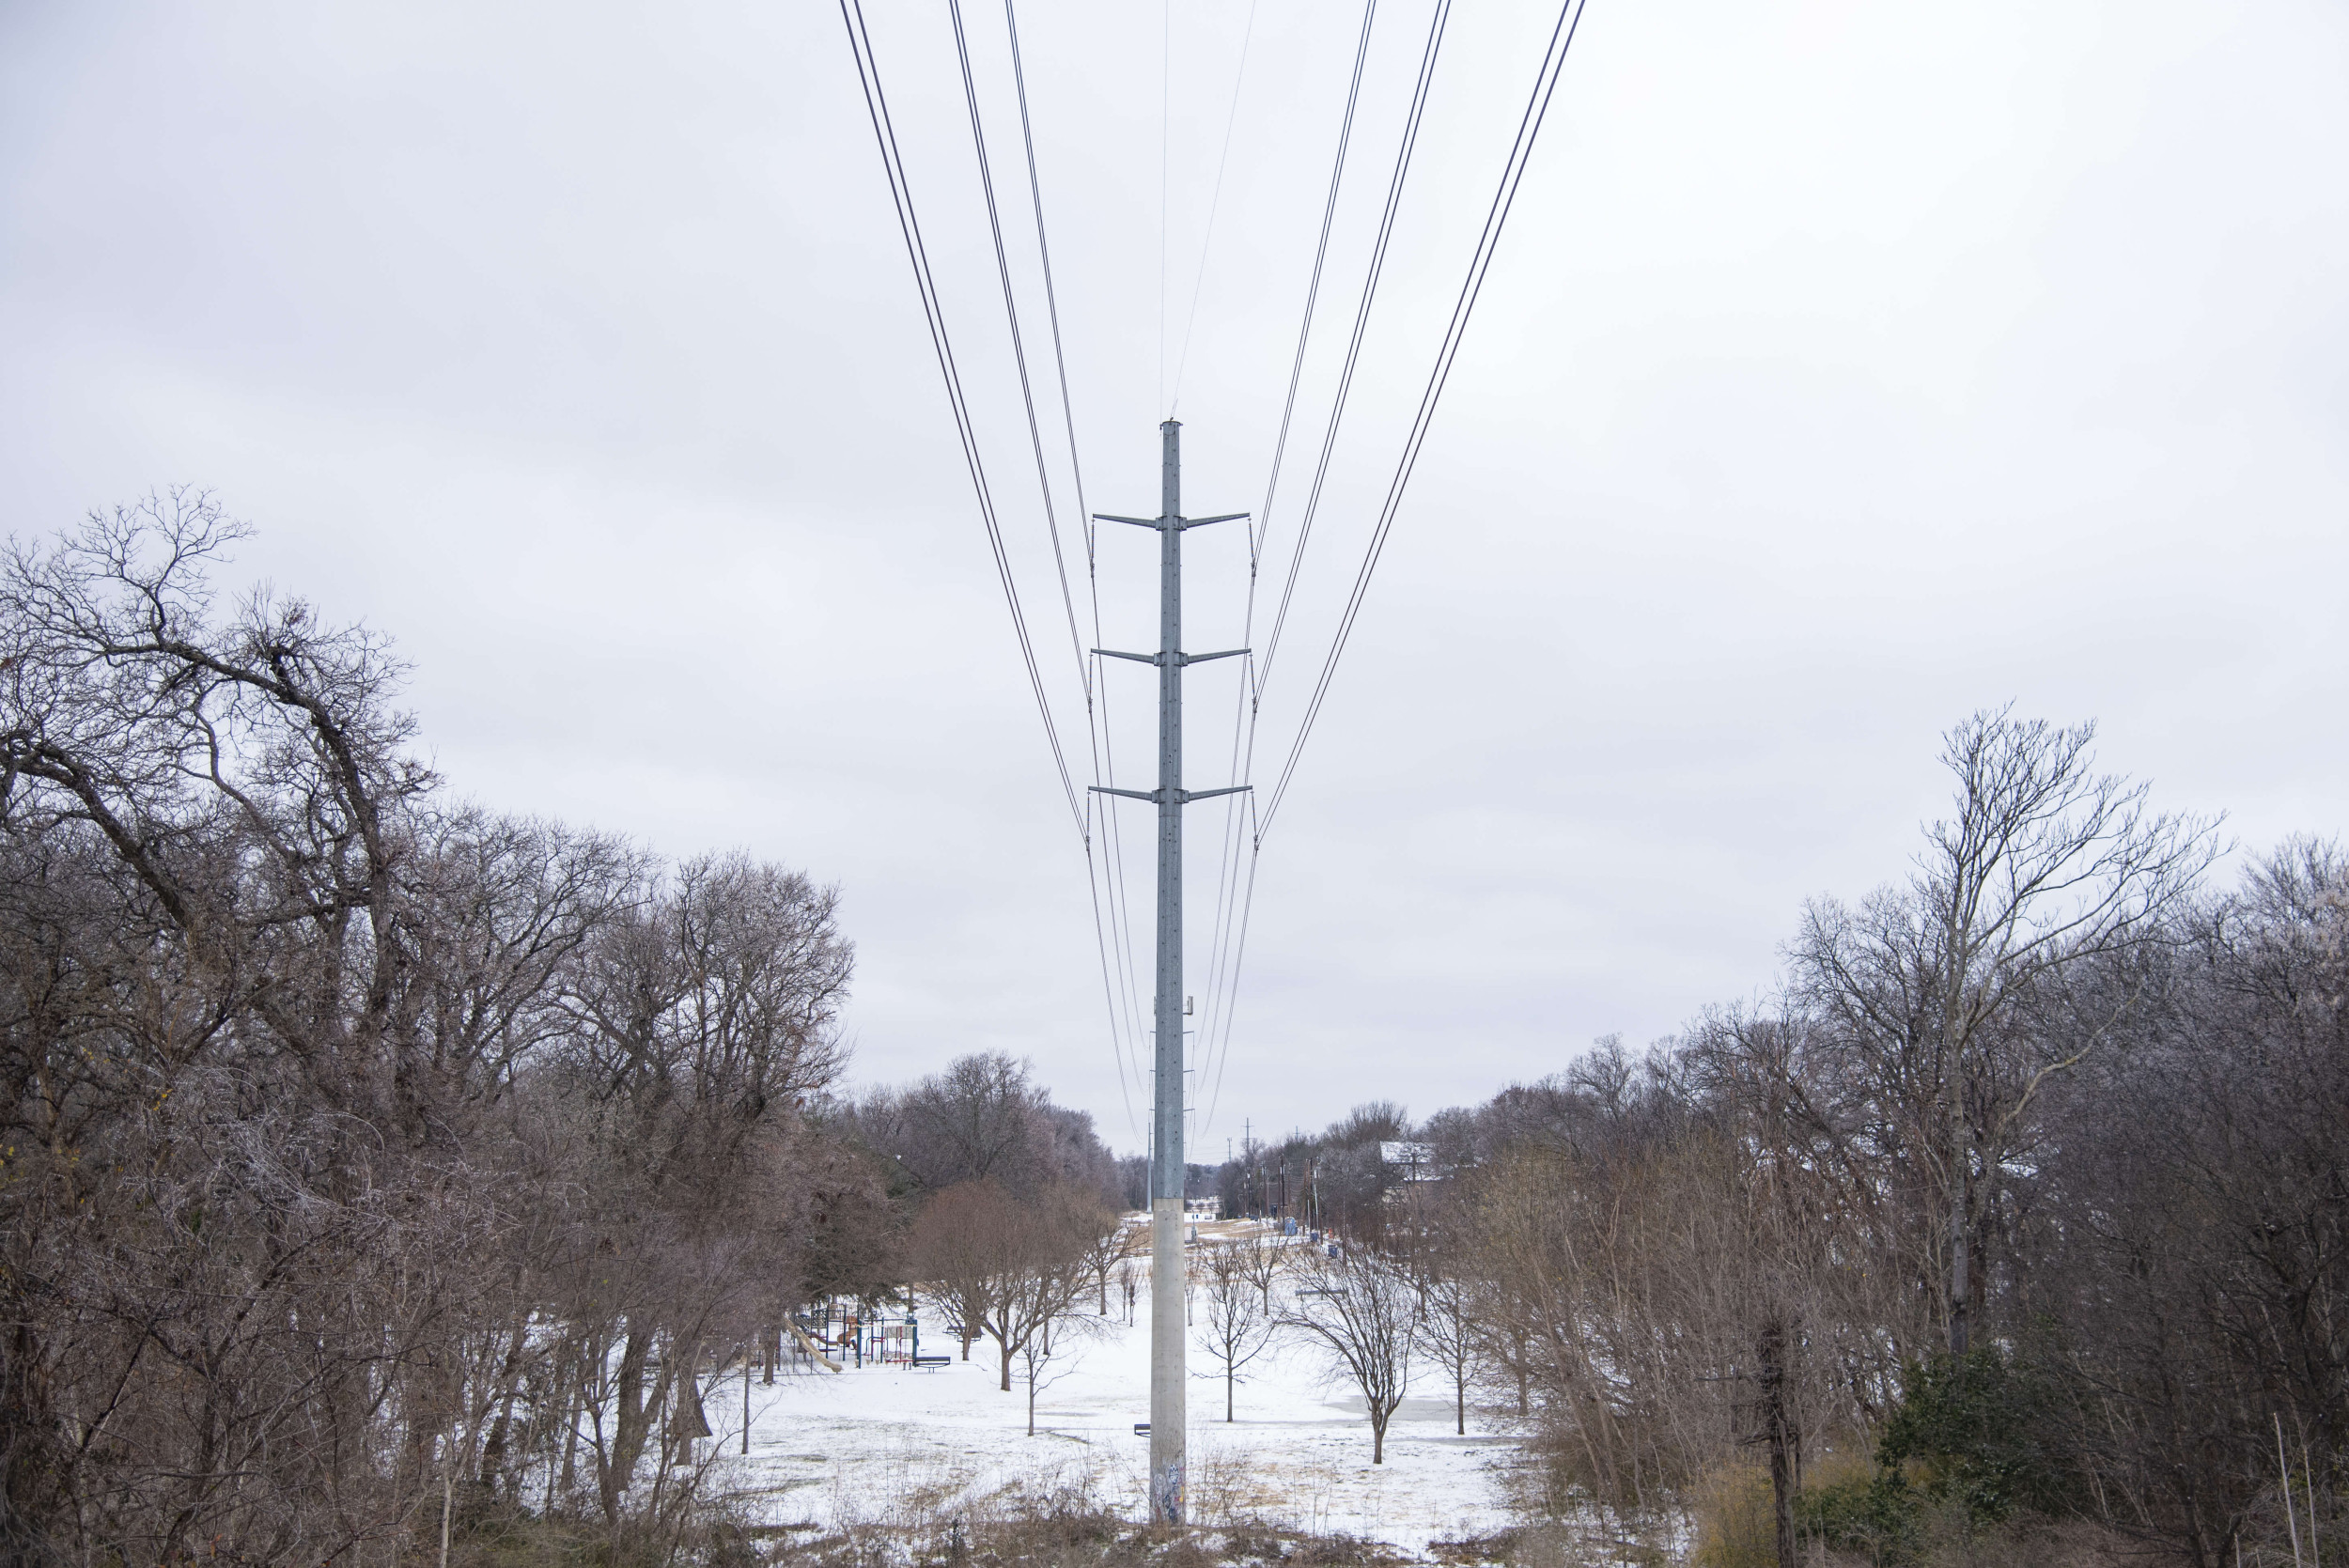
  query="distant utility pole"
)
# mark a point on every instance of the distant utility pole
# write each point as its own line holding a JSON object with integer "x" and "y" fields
{"x": 1168, "y": 1413}
{"x": 1247, "y": 1153}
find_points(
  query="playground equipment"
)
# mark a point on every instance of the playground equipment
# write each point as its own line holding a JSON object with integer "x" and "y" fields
{"x": 856, "y": 1331}
{"x": 809, "y": 1345}
{"x": 895, "y": 1343}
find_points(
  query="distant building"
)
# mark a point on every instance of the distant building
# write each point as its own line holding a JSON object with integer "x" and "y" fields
{"x": 1411, "y": 1166}
{"x": 1210, "y": 1207}
{"x": 1416, "y": 1161}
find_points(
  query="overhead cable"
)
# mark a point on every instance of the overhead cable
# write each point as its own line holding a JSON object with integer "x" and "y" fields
{"x": 1105, "y": 759}
{"x": 1361, "y": 323}
{"x": 885, "y": 134}
{"x": 1313, "y": 292}
{"x": 1019, "y": 342}
{"x": 1027, "y": 397}
{"x": 1488, "y": 243}
{"x": 1545, "y": 85}
{"x": 1223, "y": 960}
{"x": 1118, "y": 975}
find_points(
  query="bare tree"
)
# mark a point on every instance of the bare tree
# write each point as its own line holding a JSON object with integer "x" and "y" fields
{"x": 1113, "y": 1245}
{"x": 1236, "y": 1327}
{"x": 1011, "y": 1268}
{"x": 975, "y": 1121}
{"x": 1450, "y": 1330}
{"x": 1040, "y": 1352}
{"x": 1044, "y": 1270}
{"x": 1359, "y": 1310}
{"x": 304, "y": 1067}
{"x": 1937, "y": 986}
{"x": 2198, "y": 1252}
{"x": 957, "y": 1251}
{"x": 1261, "y": 1255}
{"x": 1130, "y": 1277}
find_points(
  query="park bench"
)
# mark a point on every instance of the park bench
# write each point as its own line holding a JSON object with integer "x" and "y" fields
{"x": 930, "y": 1363}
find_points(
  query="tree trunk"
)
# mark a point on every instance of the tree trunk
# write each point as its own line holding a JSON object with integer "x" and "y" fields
{"x": 570, "y": 1435}
{"x": 490, "y": 1466}
{"x": 1960, "y": 1168}
{"x": 1771, "y": 1351}
{"x": 1459, "y": 1402}
{"x": 688, "y": 1423}
{"x": 1378, "y": 1436}
{"x": 633, "y": 1420}
{"x": 1961, "y": 1229}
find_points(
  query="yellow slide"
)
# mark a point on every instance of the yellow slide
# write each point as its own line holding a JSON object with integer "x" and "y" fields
{"x": 821, "y": 1360}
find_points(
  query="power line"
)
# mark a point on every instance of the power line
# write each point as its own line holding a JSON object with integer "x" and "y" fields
{"x": 1126, "y": 1027}
{"x": 1361, "y": 324}
{"x": 1529, "y": 129}
{"x": 1313, "y": 292}
{"x": 1244, "y": 708}
{"x": 901, "y": 195}
{"x": 1234, "y": 897}
{"x": 1051, "y": 306}
{"x": 1471, "y": 287}
{"x": 1251, "y": 695}
{"x": 1105, "y": 757}
{"x": 1239, "y": 953}
{"x": 1035, "y": 434}
{"x": 1019, "y": 343}
{"x": 1109, "y": 991}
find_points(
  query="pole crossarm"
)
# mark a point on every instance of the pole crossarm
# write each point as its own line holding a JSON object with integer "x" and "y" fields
{"x": 1159, "y": 658}
{"x": 1157, "y": 797}
{"x": 1176, "y": 523}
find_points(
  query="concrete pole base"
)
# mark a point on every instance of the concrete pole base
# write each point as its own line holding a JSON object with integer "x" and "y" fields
{"x": 1169, "y": 1397}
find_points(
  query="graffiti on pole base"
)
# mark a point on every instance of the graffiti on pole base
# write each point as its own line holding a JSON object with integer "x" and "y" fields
{"x": 1166, "y": 1496}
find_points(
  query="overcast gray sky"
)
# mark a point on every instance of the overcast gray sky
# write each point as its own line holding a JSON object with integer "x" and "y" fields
{"x": 1845, "y": 368}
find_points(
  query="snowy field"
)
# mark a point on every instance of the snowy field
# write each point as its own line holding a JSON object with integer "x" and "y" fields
{"x": 887, "y": 1445}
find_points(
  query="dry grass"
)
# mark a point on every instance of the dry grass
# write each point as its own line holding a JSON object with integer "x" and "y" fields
{"x": 1735, "y": 1530}
{"x": 932, "y": 1517}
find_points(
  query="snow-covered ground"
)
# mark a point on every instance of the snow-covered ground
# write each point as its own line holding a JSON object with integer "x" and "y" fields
{"x": 892, "y": 1446}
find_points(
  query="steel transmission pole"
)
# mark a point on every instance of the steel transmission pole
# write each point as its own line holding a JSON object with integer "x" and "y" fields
{"x": 1167, "y": 1378}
